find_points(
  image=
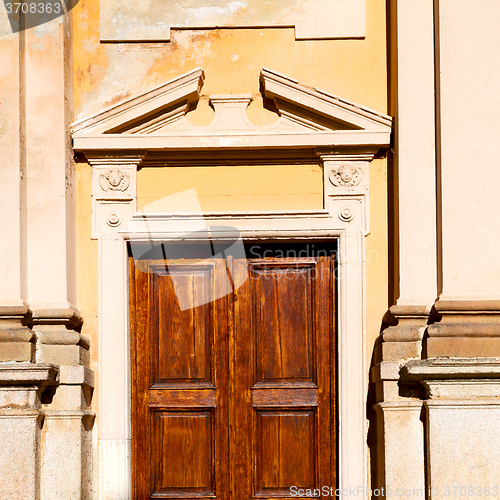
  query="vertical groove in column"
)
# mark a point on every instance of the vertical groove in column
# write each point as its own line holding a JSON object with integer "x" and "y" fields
{"x": 439, "y": 199}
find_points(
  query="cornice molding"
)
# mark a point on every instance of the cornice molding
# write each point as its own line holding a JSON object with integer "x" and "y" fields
{"x": 307, "y": 118}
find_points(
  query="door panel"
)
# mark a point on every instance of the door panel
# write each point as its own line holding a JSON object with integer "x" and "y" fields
{"x": 189, "y": 433}
{"x": 183, "y": 336}
{"x": 233, "y": 399}
{"x": 282, "y": 299}
{"x": 180, "y": 381}
{"x": 285, "y": 451}
{"x": 283, "y": 368}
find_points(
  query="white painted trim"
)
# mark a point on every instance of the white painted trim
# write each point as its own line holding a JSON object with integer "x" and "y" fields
{"x": 307, "y": 117}
{"x": 114, "y": 375}
{"x": 345, "y": 218}
{"x": 242, "y": 141}
{"x": 283, "y": 90}
{"x": 182, "y": 89}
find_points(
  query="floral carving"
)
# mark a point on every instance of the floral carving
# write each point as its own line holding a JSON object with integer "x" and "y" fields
{"x": 346, "y": 175}
{"x": 114, "y": 180}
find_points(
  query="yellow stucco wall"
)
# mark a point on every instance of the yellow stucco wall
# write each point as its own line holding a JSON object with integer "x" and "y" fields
{"x": 235, "y": 189}
{"x": 231, "y": 59}
{"x": 105, "y": 74}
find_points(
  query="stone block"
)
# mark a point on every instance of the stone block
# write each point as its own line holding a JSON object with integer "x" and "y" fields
{"x": 465, "y": 433}
{"x": 17, "y": 351}
{"x": 63, "y": 354}
{"x": 19, "y": 461}
{"x": 71, "y": 375}
{"x": 66, "y": 456}
{"x": 387, "y": 390}
{"x": 402, "y": 439}
{"x": 18, "y": 397}
{"x": 462, "y": 347}
{"x": 15, "y": 342}
{"x": 398, "y": 351}
{"x": 70, "y": 397}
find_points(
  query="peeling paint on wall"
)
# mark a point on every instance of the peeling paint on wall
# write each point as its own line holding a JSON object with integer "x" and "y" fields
{"x": 153, "y": 19}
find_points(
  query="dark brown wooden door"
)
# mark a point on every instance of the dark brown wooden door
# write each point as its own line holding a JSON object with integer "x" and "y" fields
{"x": 235, "y": 398}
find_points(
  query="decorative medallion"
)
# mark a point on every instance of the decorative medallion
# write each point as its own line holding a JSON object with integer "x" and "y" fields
{"x": 346, "y": 214}
{"x": 346, "y": 175}
{"x": 114, "y": 219}
{"x": 114, "y": 180}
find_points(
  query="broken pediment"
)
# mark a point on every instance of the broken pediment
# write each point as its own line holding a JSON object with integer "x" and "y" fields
{"x": 152, "y": 119}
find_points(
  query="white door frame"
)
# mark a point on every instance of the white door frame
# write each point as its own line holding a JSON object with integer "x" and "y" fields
{"x": 115, "y": 223}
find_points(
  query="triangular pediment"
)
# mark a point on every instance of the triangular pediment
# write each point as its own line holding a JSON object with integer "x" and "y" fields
{"x": 148, "y": 111}
{"x": 162, "y": 111}
{"x": 322, "y": 111}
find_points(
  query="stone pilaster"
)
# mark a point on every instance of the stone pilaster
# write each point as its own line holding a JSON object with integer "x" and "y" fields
{"x": 401, "y": 462}
{"x": 113, "y": 204}
{"x": 66, "y": 462}
{"x": 21, "y": 386}
{"x": 462, "y": 421}
{"x": 401, "y": 443}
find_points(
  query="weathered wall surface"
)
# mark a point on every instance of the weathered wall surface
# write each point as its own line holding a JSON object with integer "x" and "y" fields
{"x": 444, "y": 70}
{"x": 443, "y": 76}
{"x": 106, "y": 73}
{"x": 40, "y": 340}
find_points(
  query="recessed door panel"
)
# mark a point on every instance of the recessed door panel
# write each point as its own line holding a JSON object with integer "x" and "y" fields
{"x": 282, "y": 299}
{"x": 286, "y": 453}
{"x": 183, "y": 336}
{"x": 190, "y": 471}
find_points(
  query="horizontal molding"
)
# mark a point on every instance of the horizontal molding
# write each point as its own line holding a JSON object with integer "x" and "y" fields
{"x": 69, "y": 316}
{"x": 415, "y": 311}
{"x": 399, "y": 405}
{"x": 403, "y": 334}
{"x": 68, "y": 414}
{"x": 20, "y": 334}
{"x": 461, "y": 404}
{"x": 64, "y": 337}
{"x": 464, "y": 330}
{"x": 28, "y": 374}
{"x": 451, "y": 368}
{"x": 467, "y": 306}
{"x": 284, "y": 397}
{"x": 195, "y": 398}
{"x": 244, "y": 141}
{"x": 13, "y": 311}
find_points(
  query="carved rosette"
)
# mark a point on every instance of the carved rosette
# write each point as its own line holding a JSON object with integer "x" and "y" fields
{"x": 114, "y": 219}
{"x": 114, "y": 180}
{"x": 346, "y": 175}
{"x": 346, "y": 214}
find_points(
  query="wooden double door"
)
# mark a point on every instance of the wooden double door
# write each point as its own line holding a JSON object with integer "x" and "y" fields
{"x": 235, "y": 398}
